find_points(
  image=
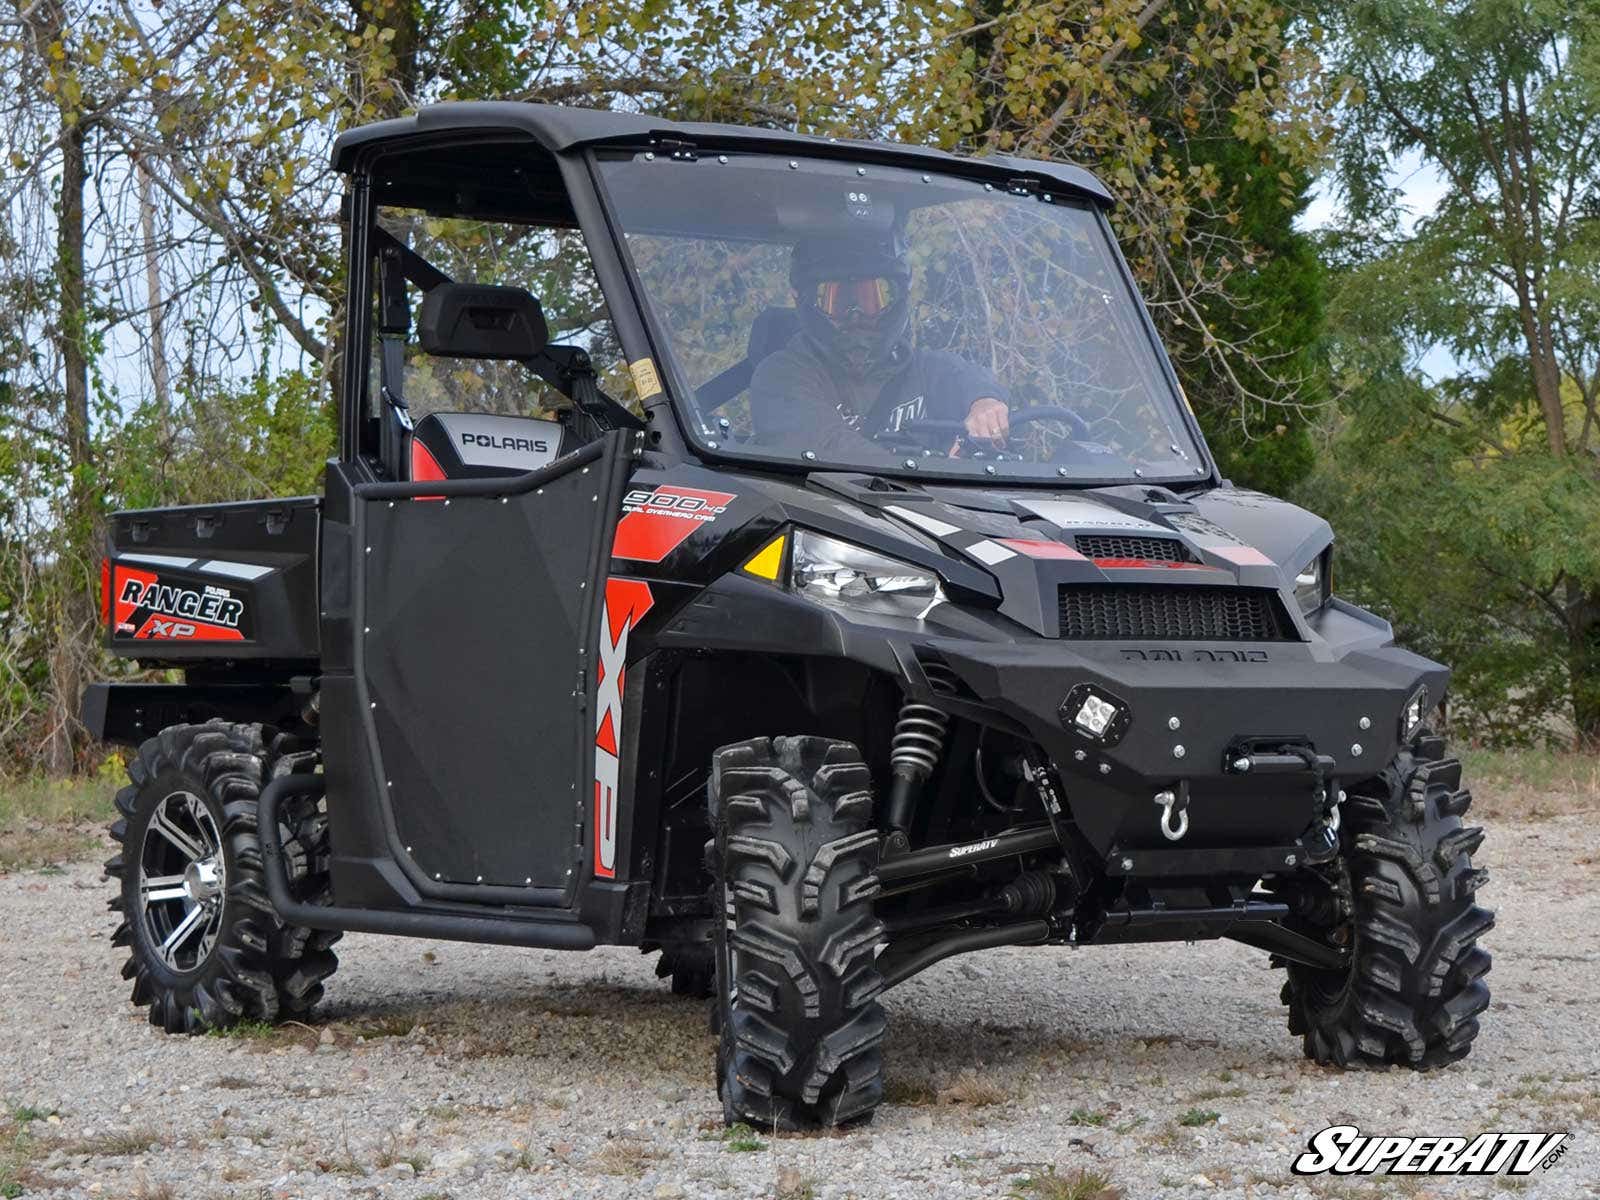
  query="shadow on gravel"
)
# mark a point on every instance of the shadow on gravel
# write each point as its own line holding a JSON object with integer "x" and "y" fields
{"x": 598, "y": 1025}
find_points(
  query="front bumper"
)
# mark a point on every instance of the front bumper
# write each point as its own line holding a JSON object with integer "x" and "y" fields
{"x": 1339, "y": 694}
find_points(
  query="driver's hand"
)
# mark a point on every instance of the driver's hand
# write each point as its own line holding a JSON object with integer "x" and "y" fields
{"x": 988, "y": 418}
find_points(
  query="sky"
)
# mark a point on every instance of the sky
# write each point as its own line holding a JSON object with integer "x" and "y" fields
{"x": 1421, "y": 188}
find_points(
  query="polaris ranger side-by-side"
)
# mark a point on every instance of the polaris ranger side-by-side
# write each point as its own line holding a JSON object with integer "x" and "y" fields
{"x": 790, "y": 554}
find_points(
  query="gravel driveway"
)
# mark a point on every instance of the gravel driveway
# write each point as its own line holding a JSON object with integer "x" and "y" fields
{"x": 440, "y": 1070}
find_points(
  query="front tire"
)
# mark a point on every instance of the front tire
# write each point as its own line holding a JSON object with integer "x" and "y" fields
{"x": 206, "y": 948}
{"x": 1414, "y": 989}
{"x": 800, "y": 1029}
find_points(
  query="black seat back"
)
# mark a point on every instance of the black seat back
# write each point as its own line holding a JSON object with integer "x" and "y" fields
{"x": 480, "y": 445}
{"x": 772, "y": 329}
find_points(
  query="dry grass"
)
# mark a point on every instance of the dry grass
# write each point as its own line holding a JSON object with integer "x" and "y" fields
{"x": 913, "y": 1093}
{"x": 973, "y": 1090}
{"x": 44, "y": 823}
{"x": 122, "y": 1143}
{"x": 969, "y": 1088}
{"x": 1231, "y": 1093}
{"x": 628, "y": 1159}
{"x": 17, "y": 1154}
{"x": 147, "y": 1190}
{"x": 1077, "y": 1184}
{"x": 1527, "y": 785}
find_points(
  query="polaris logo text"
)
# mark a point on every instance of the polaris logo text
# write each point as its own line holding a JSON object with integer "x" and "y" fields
{"x": 490, "y": 441}
{"x": 974, "y": 848}
{"x": 1163, "y": 654}
{"x": 1345, "y": 1150}
{"x": 213, "y": 605}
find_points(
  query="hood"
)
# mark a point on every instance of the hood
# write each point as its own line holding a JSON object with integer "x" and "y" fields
{"x": 1053, "y": 555}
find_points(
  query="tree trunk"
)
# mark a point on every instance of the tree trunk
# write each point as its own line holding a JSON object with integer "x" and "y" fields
{"x": 73, "y": 584}
{"x": 160, "y": 374}
{"x": 1583, "y": 664}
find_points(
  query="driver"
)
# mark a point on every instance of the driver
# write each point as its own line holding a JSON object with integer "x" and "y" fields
{"x": 852, "y": 371}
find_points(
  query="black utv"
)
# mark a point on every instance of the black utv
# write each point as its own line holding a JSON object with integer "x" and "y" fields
{"x": 790, "y": 554}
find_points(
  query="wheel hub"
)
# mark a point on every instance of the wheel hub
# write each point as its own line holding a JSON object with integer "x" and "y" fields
{"x": 182, "y": 879}
{"x": 202, "y": 881}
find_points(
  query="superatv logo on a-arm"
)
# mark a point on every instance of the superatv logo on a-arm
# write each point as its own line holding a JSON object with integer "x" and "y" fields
{"x": 148, "y": 609}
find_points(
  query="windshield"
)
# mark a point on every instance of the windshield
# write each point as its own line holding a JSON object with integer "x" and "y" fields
{"x": 871, "y": 318}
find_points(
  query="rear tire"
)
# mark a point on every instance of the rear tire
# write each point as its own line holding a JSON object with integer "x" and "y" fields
{"x": 192, "y": 800}
{"x": 1415, "y": 986}
{"x": 801, "y": 1031}
{"x": 691, "y": 968}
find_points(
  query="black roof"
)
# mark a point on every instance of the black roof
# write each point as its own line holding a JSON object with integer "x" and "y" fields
{"x": 558, "y": 129}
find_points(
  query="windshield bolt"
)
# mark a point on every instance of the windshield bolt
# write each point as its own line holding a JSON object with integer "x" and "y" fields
{"x": 1174, "y": 724}
{"x": 1355, "y": 750}
{"x": 810, "y": 456}
{"x": 1063, "y": 472}
{"x": 1080, "y": 755}
{"x": 988, "y": 187}
{"x": 1178, "y": 752}
{"x": 989, "y": 470}
{"x": 713, "y": 445}
{"x": 1173, "y": 446}
{"x": 1048, "y": 198}
{"x": 1365, "y": 722}
{"x": 1105, "y": 768}
{"x": 649, "y": 156}
{"x": 793, "y": 166}
{"x": 911, "y": 464}
{"x": 1199, "y": 470}
{"x": 1139, "y": 471}
{"x": 723, "y": 159}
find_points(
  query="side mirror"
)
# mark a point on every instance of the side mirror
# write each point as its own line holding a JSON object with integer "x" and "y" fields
{"x": 476, "y": 320}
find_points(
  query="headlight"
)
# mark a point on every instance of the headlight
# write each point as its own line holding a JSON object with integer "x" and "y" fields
{"x": 1314, "y": 584}
{"x": 835, "y": 572}
{"x": 1413, "y": 714}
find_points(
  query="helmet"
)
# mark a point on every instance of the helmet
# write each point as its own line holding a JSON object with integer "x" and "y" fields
{"x": 852, "y": 289}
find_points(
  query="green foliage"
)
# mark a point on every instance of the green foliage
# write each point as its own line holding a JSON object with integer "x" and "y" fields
{"x": 1275, "y": 306}
{"x": 1205, "y": 121}
{"x": 1469, "y": 507}
{"x": 268, "y": 437}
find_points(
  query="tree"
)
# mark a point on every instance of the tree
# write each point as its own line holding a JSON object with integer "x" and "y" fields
{"x": 1205, "y": 120}
{"x": 1502, "y": 99}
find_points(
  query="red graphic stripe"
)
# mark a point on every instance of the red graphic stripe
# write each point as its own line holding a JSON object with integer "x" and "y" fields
{"x": 1040, "y": 549}
{"x": 1150, "y": 564}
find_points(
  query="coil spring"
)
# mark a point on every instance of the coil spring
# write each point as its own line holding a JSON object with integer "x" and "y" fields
{"x": 918, "y": 739}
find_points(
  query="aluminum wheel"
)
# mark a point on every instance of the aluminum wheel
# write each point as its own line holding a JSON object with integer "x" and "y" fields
{"x": 182, "y": 881}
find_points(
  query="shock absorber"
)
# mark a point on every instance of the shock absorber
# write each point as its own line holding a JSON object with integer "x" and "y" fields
{"x": 913, "y": 754}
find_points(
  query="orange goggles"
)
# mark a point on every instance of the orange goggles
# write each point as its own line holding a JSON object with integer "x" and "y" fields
{"x": 838, "y": 299}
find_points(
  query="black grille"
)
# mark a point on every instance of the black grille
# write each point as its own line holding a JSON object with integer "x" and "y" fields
{"x": 1112, "y": 611}
{"x": 1151, "y": 549}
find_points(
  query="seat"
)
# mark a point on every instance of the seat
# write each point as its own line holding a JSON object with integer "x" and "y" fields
{"x": 458, "y": 445}
{"x": 772, "y": 329}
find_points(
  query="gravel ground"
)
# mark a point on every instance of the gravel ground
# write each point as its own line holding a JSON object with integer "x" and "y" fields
{"x": 441, "y": 1070}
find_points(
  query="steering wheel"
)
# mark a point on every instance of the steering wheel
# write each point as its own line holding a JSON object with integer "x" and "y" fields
{"x": 926, "y": 431}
